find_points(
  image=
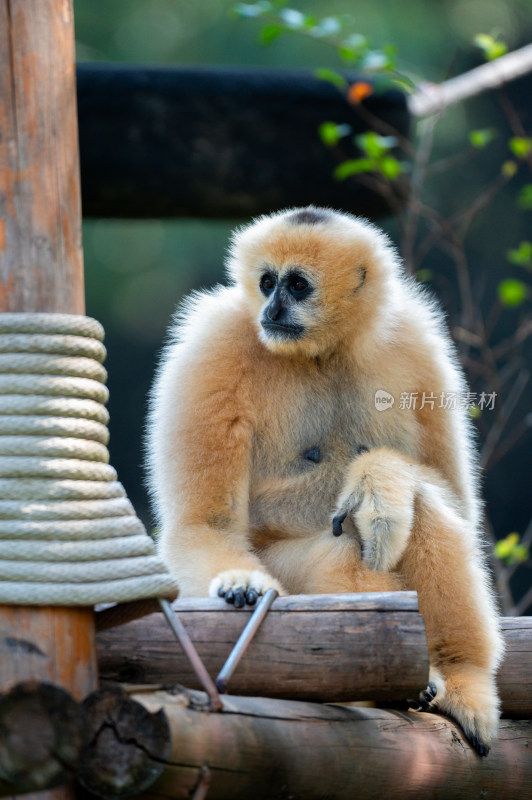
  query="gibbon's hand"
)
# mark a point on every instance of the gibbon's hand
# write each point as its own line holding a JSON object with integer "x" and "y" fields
{"x": 241, "y": 587}
{"x": 378, "y": 497}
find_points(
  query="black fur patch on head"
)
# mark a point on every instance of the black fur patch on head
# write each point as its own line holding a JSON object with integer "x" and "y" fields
{"x": 308, "y": 216}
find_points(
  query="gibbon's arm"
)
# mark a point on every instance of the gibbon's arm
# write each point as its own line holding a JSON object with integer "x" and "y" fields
{"x": 382, "y": 486}
{"x": 200, "y": 444}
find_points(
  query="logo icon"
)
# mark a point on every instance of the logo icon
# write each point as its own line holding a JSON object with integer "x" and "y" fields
{"x": 383, "y": 400}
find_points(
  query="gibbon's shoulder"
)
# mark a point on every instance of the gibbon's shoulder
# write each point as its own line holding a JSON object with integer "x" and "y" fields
{"x": 209, "y": 323}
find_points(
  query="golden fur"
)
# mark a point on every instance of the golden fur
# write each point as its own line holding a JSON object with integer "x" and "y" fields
{"x": 235, "y": 408}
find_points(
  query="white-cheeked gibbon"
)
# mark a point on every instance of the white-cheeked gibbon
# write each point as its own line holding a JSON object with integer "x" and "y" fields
{"x": 268, "y": 438}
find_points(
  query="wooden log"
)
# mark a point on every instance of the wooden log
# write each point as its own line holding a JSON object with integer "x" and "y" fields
{"x": 515, "y": 674}
{"x": 264, "y": 749}
{"x": 42, "y": 731}
{"x": 322, "y": 647}
{"x": 219, "y": 142}
{"x": 127, "y": 746}
{"x": 41, "y": 269}
{"x": 331, "y": 648}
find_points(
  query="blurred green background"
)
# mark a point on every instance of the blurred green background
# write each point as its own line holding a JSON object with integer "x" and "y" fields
{"x": 138, "y": 271}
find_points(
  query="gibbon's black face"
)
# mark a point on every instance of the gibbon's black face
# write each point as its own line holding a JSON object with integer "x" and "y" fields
{"x": 285, "y": 292}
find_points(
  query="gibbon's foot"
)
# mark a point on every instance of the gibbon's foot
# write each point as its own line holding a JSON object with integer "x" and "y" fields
{"x": 476, "y": 711}
{"x": 425, "y": 698}
{"x": 240, "y": 587}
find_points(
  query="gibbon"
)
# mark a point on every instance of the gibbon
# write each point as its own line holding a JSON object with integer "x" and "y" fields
{"x": 278, "y": 421}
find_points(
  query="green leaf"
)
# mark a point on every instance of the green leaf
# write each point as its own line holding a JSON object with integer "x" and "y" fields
{"x": 482, "y": 137}
{"x": 510, "y": 550}
{"x": 512, "y": 292}
{"x": 474, "y": 412}
{"x": 333, "y": 77}
{"x": 403, "y": 82}
{"x": 522, "y": 255}
{"x": 330, "y": 132}
{"x": 520, "y": 146}
{"x": 375, "y": 146}
{"x": 269, "y": 33}
{"x": 491, "y": 47}
{"x": 353, "y": 167}
{"x": 390, "y": 167}
{"x": 524, "y": 199}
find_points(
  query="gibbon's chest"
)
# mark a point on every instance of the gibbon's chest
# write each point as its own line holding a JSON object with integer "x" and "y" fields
{"x": 320, "y": 423}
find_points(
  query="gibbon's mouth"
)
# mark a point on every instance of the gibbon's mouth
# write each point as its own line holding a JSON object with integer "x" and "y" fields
{"x": 289, "y": 331}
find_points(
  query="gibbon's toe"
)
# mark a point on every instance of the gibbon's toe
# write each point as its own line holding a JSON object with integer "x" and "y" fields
{"x": 424, "y": 699}
{"x": 478, "y": 745}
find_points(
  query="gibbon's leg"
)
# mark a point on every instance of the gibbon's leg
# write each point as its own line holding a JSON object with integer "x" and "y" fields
{"x": 323, "y": 565}
{"x": 441, "y": 564}
{"x": 406, "y": 521}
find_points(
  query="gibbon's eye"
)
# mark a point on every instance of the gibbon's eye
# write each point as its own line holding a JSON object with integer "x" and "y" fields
{"x": 267, "y": 283}
{"x": 298, "y": 286}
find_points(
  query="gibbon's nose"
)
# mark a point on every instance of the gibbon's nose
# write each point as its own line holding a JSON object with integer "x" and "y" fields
{"x": 275, "y": 308}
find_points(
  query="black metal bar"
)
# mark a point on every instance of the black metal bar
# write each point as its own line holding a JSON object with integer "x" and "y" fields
{"x": 218, "y": 142}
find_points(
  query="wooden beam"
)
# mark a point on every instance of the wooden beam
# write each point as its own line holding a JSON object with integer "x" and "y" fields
{"x": 331, "y": 648}
{"x": 277, "y": 748}
{"x": 219, "y": 142}
{"x": 323, "y": 647}
{"x": 41, "y": 269}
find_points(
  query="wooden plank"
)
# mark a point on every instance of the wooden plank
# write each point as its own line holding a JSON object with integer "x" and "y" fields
{"x": 41, "y": 269}
{"x": 219, "y": 142}
{"x": 269, "y": 748}
{"x": 360, "y": 601}
{"x": 335, "y": 648}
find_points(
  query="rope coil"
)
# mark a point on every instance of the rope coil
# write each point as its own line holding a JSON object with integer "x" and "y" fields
{"x": 68, "y": 533}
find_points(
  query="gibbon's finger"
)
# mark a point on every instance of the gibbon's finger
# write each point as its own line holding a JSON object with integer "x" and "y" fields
{"x": 337, "y": 523}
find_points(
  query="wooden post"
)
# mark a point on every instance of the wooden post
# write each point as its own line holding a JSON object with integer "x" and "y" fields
{"x": 41, "y": 269}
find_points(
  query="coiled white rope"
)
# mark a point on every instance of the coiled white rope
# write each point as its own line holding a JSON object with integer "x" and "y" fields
{"x": 68, "y": 533}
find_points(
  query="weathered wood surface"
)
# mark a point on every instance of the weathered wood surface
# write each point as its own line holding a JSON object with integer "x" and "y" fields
{"x": 322, "y": 648}
{"x": 42, "y": 732}
{"x": 333, "y": 647}
{"x": 126, "y": 747}
{"x": 265, "y": 749}
{"x": 41, "y": 263}
{"x": 41, "y": 269}
{"x": 515, "y": 674}
{"x": 218, "y": 142}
